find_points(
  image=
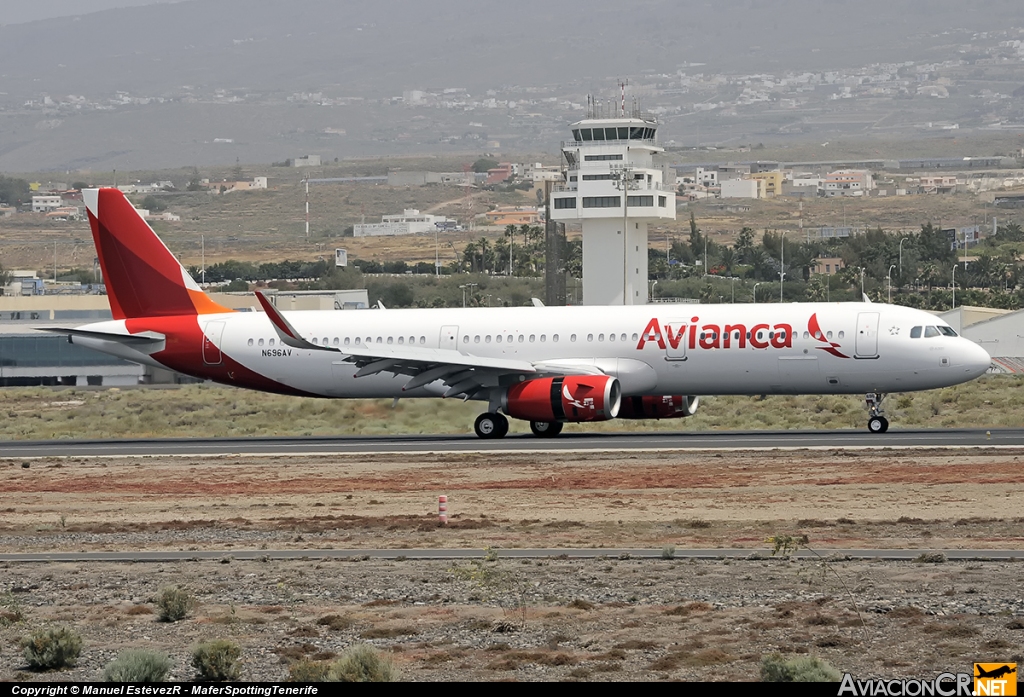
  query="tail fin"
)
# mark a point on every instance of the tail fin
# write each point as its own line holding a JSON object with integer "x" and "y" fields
{"x": 142, "y": 276}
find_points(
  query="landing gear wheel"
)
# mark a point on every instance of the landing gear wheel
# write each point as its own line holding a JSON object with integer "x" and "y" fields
{"x": 546, "y": 429}
{"x": 491, "y": 425}
{"x": 878, "y": 424}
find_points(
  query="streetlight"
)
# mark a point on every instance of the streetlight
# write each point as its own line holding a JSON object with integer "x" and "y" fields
{"x": 901, "y": 259}
{"x": 732, "y": 287}
{"x": 954, "y": 288}
{"x": 754, "y": 295}
{"x": 464, "y": 287}
{"x": 888, "y": 277}
{"x": 624, "y": 181}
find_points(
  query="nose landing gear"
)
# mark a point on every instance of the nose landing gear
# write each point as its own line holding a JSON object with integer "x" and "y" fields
{"x": 877, "y": 423}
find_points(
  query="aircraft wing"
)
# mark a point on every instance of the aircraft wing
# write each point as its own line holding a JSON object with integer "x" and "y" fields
{"x": 462, "y": 373}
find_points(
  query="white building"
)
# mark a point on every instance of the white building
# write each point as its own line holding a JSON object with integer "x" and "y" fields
{"x": 706, "y": 177}
{"x": 848, "y": 182}
{"x": 409, "y": 222}
{"x": 307, "y": 161}
{"x": 614, "y": 184}
{"x": 740, "y": 188}
{"x": 46, "y": 203}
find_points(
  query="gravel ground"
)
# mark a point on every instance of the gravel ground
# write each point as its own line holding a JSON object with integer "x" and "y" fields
{"x": 503, "y": 619}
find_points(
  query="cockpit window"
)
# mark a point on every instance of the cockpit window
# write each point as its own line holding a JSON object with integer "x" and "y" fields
{"x": 929, "y": 332}
{"x": 947, "y": 331}
{"x": 915, "y": 333}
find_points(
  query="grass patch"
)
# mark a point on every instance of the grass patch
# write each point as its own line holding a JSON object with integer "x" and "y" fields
{"x": 216, "y": 411}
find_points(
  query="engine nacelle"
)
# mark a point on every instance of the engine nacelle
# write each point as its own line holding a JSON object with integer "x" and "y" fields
{"x": 573, "y": 398}
{"x": 658, "y": 407}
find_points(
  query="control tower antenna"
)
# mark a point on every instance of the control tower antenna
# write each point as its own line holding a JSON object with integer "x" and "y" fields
{"x": 622, "y": 85}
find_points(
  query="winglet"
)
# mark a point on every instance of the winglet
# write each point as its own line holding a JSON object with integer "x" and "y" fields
{"x": 537, "y": 302}
{"x": 287, "y": 333}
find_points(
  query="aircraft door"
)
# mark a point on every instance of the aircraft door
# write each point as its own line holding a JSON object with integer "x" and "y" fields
{"x": 449, "y": 337}
{"x": 867, "y": 335}
{"x": 213, "y": 332}
{"x": 676, "y": 335}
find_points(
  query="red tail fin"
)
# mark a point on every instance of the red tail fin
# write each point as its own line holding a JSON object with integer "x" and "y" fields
{"x": 142, "y": 276}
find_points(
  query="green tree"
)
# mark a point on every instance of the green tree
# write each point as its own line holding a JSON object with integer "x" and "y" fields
{"x": 483, "y": 164}
{"x": 193, "y": 181}
{"x": 14, "y": 191}
{"x": 697, "y": 243}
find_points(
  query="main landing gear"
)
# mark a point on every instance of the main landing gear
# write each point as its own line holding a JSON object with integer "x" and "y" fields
{"x": 877, "y": 423}
{"x": 491, "y": 425}
{"x": 495, "y": 425}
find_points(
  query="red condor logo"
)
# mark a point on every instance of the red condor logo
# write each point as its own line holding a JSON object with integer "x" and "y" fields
{"x": 714, "y": 336}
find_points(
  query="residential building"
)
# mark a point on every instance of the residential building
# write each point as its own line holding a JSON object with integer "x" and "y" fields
{"x": 45, "y": 203}
{"x": 772, "y": 183}
{"x": 306, "y": 161}
{"x": 827, "y": 265}
{"x": 409, "y": 222}
{"x": 512, "y": 215}
{"x": 742, "y": 188}
{"x": 848, "y": 182}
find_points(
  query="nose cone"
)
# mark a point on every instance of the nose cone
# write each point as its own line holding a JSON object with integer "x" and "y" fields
{"x": 975, "y": 359}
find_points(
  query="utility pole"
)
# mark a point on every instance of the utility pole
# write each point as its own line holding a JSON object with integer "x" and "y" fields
{"x": 203, "y": 272}
{"x": 306, "y": 180}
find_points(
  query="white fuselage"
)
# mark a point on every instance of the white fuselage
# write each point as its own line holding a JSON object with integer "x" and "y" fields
{"x": 800, "y": 348}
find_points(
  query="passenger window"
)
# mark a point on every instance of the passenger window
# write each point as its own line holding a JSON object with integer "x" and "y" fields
{"x": 636, "y": 336}
{"x": 611, "y": 337}
{"x": 929, "y": 332}
{"x": 358, "y": 341}
{"x": 465, "y": 339}
{"x": 314, "y": 342}
{"x": 555, "y": 338}
{"x": 346, "y": 341}
{"x": 623, "y": 337}
{"x": 590, "y": 337}
{"x": 600, "y": 337}
{"x": 391, "y": 339}
{"x": 250, "y": 342}
{"x": 572, "y": 337}
{"x": 335, "y": 342}
{"x": 828, "y": 335}
{"x": 423, "y": 339}
{"x": 842, "y": 334}
{"x": 543, "y": 338}
{"x": 522, "y": 338}
{"x": 498, "y": 338}
{"x": 476, "y": 339}
{"x": 487, "y": 339}
{"x": 261, "y": 342}
{"x": 272, "y": 342}
{"x": 807, "y": 335}
{"x": 533, "y": 337}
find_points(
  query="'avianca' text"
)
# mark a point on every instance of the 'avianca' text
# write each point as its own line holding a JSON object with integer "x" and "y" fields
{"x": 713, "y": 336}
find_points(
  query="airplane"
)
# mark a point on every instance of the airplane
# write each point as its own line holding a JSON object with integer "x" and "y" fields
{"x": 545, "y": 365}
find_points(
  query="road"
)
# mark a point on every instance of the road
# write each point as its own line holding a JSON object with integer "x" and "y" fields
{"x": 569, "y": 442}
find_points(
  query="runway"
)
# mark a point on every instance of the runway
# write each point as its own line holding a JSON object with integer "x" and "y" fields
{"x": 559, "y": 553}
{"x": 567, "y": 442}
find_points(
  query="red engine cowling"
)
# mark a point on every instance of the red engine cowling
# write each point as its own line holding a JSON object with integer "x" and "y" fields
{"x": 658, "y": 407}
{"x": 572, "y": 398}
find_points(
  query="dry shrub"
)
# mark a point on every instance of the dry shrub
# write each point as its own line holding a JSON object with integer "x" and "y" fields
{"x": 138, "y": 665}
{"x": 51, "y": 649}
{"x": 775, "y": 668}
{"x": 362, "y": 663}
{"x": 336, "y": 622}
{"x": 218, "y": 660}
{"x": 388, "y": 632}
{"x": 139, "y": 610}
{"x": 174, "y": 604}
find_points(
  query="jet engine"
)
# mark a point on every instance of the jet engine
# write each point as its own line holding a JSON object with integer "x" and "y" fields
{"x": 572, "y": 398}
{"x": 658, "y": 407}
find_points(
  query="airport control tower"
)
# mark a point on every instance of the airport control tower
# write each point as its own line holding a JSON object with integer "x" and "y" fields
{"x": 611, "y": 160}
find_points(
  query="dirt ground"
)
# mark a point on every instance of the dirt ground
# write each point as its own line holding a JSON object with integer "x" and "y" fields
{"x": 547, "y": 619}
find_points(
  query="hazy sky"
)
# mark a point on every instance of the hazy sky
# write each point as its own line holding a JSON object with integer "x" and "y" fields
{"x": 18, "y": 11}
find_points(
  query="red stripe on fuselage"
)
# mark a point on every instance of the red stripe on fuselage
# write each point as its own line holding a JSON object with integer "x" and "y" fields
{"x": 184, "y": 353}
